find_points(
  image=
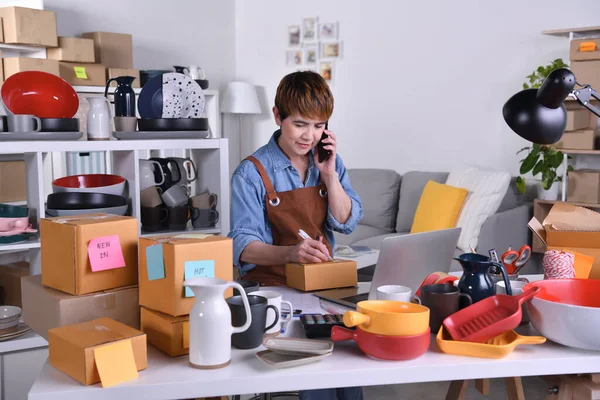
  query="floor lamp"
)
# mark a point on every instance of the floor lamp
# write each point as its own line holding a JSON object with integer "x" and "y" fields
{"x": 240, "y": 98}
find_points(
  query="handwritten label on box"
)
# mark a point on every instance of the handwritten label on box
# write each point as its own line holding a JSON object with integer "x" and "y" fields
{"x": 115, "y": 363}
{"x": 204, "y": 268}
{"x": 105, "y": 253}
{"x": 80, "y": 72}
{"x": 155, "y": 262}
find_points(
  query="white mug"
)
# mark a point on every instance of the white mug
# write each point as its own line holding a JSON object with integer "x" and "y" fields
{"x": 275, "y": 299}
{"x": 147, "y": 177}
{"x": 396, "y": 293}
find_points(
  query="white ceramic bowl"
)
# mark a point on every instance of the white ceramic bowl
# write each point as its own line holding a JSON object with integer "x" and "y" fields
{"x": 559, "y": 319}
{"x": 9, "y": 316}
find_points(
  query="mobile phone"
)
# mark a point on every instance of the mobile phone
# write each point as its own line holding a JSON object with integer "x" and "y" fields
{"x": 322, "y": 153}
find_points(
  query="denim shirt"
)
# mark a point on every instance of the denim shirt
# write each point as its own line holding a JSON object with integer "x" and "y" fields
{"x": 248, "y": 205}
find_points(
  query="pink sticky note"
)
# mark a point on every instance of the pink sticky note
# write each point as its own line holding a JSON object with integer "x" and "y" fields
{"x": 105, "y": 253}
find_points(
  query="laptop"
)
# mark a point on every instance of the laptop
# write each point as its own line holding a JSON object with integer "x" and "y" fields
{"x": 403, "y": 260}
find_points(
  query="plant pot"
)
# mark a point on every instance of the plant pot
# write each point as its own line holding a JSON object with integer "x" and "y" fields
{"x": 550, "y": 194}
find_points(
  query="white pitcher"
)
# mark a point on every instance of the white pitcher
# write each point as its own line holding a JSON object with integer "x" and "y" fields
{"x": 210, "y": 322}
{"x": 98, "y": 118}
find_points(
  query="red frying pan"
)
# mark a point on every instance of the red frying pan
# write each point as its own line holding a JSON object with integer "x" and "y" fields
{"x": 488, "y": 318}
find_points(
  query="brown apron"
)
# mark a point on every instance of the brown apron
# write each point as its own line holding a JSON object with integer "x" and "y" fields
{"x": 288, "y": 212}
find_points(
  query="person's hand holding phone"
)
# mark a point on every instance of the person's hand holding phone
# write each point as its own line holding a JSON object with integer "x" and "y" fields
{"x": 327, "y": 167}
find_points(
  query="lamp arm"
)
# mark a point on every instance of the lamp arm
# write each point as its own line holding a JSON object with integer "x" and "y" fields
{"x": 583, "y": 96}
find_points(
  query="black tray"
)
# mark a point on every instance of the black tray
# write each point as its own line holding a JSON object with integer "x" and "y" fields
{"x": 60, "y": 124}
{"x": 173, "y": 124}
{"x": 84, "y": 200}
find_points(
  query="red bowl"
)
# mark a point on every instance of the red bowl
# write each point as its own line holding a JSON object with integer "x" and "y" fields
{"x": 96, "y": 183}
{"x": 385, "y": 347}
{"x": 41, "y": 94}
{"x": 576, "y": 292}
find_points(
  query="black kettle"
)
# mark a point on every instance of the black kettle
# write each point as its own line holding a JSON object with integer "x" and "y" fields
{"x": 124, "y": 96}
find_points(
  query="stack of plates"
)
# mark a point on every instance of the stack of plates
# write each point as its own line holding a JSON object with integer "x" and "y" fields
{"x": 290, "y": 352}
{"x": 11, "y": 333}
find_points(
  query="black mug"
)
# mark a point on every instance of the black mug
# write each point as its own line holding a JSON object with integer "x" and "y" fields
{"x": 178, "y": 217}
{"x": 154, "y": 218}
{"x": 253, "y": 336}
{"x": 249, "y": 286}
{"x": 170, "y": 172}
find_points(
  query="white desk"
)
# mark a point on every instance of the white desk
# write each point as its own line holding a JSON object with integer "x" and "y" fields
{"x": 173, "y": 378}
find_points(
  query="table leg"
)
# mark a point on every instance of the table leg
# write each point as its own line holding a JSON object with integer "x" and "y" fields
{"x": 483, "y": 386}
{"x": 457, "y": 390}
{"x": 514, "y": 388}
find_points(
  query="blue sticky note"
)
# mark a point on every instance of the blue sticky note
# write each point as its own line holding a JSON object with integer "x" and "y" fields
{"x": 204, "y": 268}
{"x": 154, "y": 262}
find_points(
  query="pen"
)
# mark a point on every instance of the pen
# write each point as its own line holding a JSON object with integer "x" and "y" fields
{"x": 304, "y": 235}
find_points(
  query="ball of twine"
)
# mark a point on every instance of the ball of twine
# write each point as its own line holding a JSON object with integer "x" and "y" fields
{"x": 558, "y": 265}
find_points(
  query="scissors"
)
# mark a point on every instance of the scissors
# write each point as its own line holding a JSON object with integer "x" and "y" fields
{"x": 513, "y": 261}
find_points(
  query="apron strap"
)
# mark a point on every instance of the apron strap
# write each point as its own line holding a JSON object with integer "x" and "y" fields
{"x": 271, "y": 194}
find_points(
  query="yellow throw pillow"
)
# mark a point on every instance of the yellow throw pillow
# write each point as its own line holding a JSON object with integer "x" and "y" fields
{"x": 439, "y": 207}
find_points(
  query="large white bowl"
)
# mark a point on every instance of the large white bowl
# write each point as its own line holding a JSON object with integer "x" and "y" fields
{"x": 569, "y": 313}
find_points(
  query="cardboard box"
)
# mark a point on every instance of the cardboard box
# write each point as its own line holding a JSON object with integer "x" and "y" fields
{"x": 587, "y": 72}
{"x": 91, "y": 74}
{"x": 13, "y": 179}
{"x": 326, "y": 275}
{"x": 12, "y": 65}
{"x": 113, "y": 50}
{"x": 167, "y": 294}
{"x": 584, "y": 186}
{"x": 29, "y": 26}
{"x": 571, "y": 228}
{"x": 577, "y": 55}
{"x": 71, "y": 348}
{"x": 165, "y": 332}
{"x": 66, "y": 264}
{"x": 578, "y": 140}
{"x": 578, "y": 119}
{"x": 45, "y": 308}
{"x": 10, "y": 282}
{"x": 116, "y": 72}
{"x": 73, "y": 49}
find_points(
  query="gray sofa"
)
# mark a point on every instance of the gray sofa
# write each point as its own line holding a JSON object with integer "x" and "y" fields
{"x": 390, "y": 202}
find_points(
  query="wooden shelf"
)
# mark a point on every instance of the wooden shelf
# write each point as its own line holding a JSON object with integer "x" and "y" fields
{"x": 575, "y": 151}
{"x": 589, "y": 205}
{"x": 577, "y": 32}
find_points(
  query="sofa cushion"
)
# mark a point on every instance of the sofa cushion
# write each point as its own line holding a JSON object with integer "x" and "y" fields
{"x": 375, "y": 241}
{"x": 378, "y": 190}
{"x": 360, "y": 232}
{"x": 438, "y": 208}
{"x": 486, "y": 189}
{"x": 412, "y": 186}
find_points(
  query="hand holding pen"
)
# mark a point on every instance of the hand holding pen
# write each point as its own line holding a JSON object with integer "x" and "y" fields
{"x": 309, "y": 250}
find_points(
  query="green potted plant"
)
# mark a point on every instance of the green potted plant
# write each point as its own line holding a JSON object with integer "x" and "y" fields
{"x": 541, "y": 73}
{"x": 542, "y": 161}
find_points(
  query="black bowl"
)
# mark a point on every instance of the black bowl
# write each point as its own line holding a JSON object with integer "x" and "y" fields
{"x": 60, "y": 124}
{"x": 202, "y": 82}
{"x": 84, "y": 200}
{"x": 173, "y": 124}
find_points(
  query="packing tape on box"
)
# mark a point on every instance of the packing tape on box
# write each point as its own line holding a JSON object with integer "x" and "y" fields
{"x": 182, "y": 237}
{"x": 78, "y": 218}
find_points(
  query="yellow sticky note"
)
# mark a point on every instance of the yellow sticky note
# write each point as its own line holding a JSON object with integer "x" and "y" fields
{"x": 115, "y": 363}
{"x": 186, "y": 335}
{"x": 80, "y": 72}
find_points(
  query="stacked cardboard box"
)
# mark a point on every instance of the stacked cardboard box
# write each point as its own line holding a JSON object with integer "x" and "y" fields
{"x": 582, "y": 126}
{"x": 165, "y": 263}
{"x": 89, "y": 270}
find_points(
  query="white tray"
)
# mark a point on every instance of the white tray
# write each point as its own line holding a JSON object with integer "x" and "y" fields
{"x": 299, "y": 347}
{"x": 151, "y": 135}
{"x": 277, "y": 360}
{"x": 46, "y": 136}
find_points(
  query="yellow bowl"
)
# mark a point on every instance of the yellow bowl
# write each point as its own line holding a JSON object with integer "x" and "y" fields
{"x": 390, "y": 318}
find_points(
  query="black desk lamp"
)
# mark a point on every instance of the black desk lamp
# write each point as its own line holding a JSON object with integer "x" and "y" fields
{"x": 539, "y": 115}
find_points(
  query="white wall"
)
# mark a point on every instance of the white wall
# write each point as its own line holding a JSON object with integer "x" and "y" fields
{"x": 436, "y": 70}
{"x": 164, "y": 33}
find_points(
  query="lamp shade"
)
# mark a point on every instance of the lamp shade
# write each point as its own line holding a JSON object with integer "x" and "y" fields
{"x": 539, "y": 115}
{"x": 240, "y": 98}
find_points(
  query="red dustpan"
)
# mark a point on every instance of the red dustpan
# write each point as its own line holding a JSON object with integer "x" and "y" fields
{"x": 488, "y": 318}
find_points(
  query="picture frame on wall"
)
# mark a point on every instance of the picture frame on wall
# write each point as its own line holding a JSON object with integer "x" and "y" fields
{"x": 293, "y": 57}
{"x": 328, "y": 31}
{"x": 331, "y": 50}
{"x": 327, "y": 70}
{"x": 311, "y": 54}
{"x": 309, "y": 29}
{"x": 294, "y": 35}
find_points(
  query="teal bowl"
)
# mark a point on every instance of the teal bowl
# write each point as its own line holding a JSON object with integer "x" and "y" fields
{"x": 10, "y": 211}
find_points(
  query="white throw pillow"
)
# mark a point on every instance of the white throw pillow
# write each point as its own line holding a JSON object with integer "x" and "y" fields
{"x": 486, "y": 189}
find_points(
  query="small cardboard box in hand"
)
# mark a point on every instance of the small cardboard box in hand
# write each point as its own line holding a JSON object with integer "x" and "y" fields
{"x": 325, "y": 275}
